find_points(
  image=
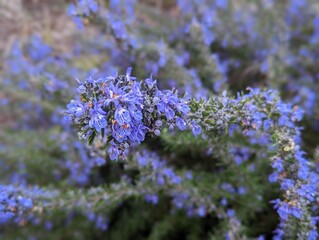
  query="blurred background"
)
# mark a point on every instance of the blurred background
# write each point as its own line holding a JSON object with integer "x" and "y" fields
{"x": 200, "y": 47}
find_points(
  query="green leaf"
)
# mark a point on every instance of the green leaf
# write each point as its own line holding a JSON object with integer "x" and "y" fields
{"x": 103, "y": 133}
{"x": 91, "y": 138}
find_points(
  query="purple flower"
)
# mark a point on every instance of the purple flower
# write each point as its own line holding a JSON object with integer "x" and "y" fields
{"x": 196, "y": 129}
{"x": 183, "y": 108}
{"x": 267, "y": 124}
{"x": 122, "y": 116}
{"x": 201, "y": 211}
{"x": 303, "y": 172}
{"x": 76, "y": 108}
{"x": 287, "y": 184}
{"x": 169, "y": 112}
{"x": 113, "y": 151}
{"x": 26, "y": 202}
{"x": 152, "y": 198}
{"x": 221, "y": 3}
{"x": 99, "y": 161}
{"x": 101, "y": 223}
{"x": 180, "y": 123}
{"x": 231, "y": 213}
{"x": 295, "y": 211}
{"x": 158, "y": 123}
{"x": 98, "y": 121}
{"x": 313, "y": 235}
{"x": 81, "y": 89}
{"x": 157, "y": 132}
{"x": 273, "y": 177}
{"x": 283, "y": 211}
{"x": 278, "y": 165}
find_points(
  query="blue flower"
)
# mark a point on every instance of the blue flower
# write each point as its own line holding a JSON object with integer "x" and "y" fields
{"x": 160, "y": 180}
{"x": 81, "y": 89}
{"x": 101, "y": 223}
{"x": 85, "y": 6}
{"x": 99, "y": 161}
{"x": 128, "y": 74}
{"x": 26, "y": 202}
{"x": 295, "y": 211}
{"x": 122, "y": 116}
{"x": 287, "y": 184}
{"x": 165, "y": 102}
{"x": 142, "y": 160}
{"x": 313, "y": 235}
{"x": 152, "y": 198}
{"x": 196, "y": 129}
{"x": 138, "y": 133}
{"x": 158, "y": 123}
{"x": 157, "y": 132}
{"x": 38, "y": 49}
{"x": 6, "y": 217}
{"x": 221, "y": 3}
{"x": 120, "y": 133}
{"x": 273, "y": 177}
{"x": 98, "y": 121}
{"x": 127, "y": 110}
{"x": 308, "y": 190}
{"x": 135, "y": 113}
{"x": 267, "y": 124}
{"x": 183, "y": 108}
{"x": 242, "y": 190}
{"x": 283, "y": 211}
{"x": 231, "y": 213}
{"x": 113, "y": 151}
{"x": 201, "y": 211}
{"x": 180, "y": 123}
{"x": 76, "y": 108}
{"x": 297, "y": 114}
{"x": 170, "y": 114}
{"x": 303, "y": 172}
{"x": 278, "y": 165}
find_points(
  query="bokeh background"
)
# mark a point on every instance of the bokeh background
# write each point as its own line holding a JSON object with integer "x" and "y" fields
{"x": 199, "y": 47}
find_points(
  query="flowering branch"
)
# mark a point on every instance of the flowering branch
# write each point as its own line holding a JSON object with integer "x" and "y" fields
{"x": 123, "y": 111}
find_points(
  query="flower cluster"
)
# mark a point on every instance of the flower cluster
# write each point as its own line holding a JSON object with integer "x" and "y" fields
{"x": 249, "y": 151}
{"x": 123, "y": 111}
{"x": 19, "y": 203}
{"x": 82, "y": 8}
{"x": 158, "y": 170}
{"x": 126, "y": 111}
{"x": 263, "y": 111}
{"x": 10, "y": 205}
